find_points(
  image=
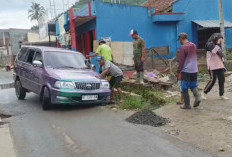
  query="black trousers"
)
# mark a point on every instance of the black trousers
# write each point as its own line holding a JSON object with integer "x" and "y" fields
{"x": 214, "y": 74}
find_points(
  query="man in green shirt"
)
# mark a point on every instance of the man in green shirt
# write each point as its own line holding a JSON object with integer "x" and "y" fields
{"x": 104, "y": 51}
{"x": 139, "y": 51}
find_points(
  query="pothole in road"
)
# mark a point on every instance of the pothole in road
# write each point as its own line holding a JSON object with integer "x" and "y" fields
{"x": 147, "y": 117}
{"x": 4, "y": 116}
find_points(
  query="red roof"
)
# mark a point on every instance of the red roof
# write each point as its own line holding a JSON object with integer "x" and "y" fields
{"x": 159, "y": 5}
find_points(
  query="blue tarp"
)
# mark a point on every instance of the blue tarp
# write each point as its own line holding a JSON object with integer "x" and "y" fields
{"x": 94, "y": 61}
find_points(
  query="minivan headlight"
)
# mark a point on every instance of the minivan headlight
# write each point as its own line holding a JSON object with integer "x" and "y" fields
{"x": 105, "y": 85}
{"x": 65, "y": 85}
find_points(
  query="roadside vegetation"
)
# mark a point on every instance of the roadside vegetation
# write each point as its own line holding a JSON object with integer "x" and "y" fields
{"x": 229, "y": 55}
{"x": 145, "y": 98}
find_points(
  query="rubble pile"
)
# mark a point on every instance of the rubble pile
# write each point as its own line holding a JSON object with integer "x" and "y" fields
{"x": 152, "y": 77}
{"x": 147, "y": 117}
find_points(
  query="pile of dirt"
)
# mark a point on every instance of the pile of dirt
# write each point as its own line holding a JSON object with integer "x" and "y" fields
{"x": 147, "y": 117}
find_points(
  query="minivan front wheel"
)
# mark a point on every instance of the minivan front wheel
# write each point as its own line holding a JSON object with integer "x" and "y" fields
{"x": 46, "y": 99}
{"x": 19, "y": 90}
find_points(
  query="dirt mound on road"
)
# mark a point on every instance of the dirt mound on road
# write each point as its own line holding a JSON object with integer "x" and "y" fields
{"x": 147, "y": 117}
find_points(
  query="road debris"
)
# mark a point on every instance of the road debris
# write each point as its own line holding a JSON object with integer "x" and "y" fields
{"x": 151, "y": 77}
{"x": 170, "y": 94}
{"x": 173, "y": 132}
{"x": 221, "y": 149}
{"x": 147, "y": 117}
{"x": 171, "y": 124}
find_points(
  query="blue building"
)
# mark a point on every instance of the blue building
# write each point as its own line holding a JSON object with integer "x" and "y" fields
{"x": 198, "y": 18}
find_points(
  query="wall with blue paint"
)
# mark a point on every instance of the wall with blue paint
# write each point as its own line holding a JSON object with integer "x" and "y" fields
{"x": 116, "y": 21}
{"x": 201, "y": 10}
{"x": 89, "y": 26}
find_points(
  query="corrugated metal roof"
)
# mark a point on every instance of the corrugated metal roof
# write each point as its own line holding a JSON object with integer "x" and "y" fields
{"x": 212, "y": 23}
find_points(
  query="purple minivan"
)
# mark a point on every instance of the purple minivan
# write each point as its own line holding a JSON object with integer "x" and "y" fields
{"x": 58, "y": 76}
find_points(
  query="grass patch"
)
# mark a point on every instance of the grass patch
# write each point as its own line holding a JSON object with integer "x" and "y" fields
{"x": 229, "y": 55}
{"x": 203, "y": 70}
{"x": 132, "y": 102}
{"x": 150, "y": 98}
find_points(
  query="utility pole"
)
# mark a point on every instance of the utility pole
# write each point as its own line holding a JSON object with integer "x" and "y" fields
{"x": 222, "y": 26}
{"x": 4, "y": 39}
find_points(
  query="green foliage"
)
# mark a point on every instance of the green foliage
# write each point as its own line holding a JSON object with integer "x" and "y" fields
{"x": 149, "y": 94}
{"x": 132, "y": 102}
{"x": 229, "y": 55}
{"x": 36, "y": 12}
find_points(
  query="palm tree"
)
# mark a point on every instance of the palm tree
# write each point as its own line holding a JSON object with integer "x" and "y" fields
{"x": 36, "y": 12}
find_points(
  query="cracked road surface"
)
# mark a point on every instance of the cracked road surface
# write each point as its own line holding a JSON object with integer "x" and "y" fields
{"x": 85, "y": 132}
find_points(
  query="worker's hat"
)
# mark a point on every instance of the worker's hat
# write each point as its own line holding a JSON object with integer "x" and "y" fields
{"x": 133, "y": 32}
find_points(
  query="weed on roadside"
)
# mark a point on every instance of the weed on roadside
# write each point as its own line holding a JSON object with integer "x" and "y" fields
{"x": 229, "y": 55}
{"x": 150, "y": 98}
{"x": 132, "y": 102}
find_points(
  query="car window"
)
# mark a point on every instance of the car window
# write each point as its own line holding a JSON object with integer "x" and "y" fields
{"x": 38, "y": 57}
{"x": 30, "y": 56}
{"x": 22, "y": 54}
{"x": 64, "y": 60}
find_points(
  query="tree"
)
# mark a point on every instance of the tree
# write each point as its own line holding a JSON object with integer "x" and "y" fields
{"x": 36, "y": 12}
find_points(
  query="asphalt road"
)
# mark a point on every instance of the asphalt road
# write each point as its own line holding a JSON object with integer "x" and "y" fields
{"x": 84, "y": 132}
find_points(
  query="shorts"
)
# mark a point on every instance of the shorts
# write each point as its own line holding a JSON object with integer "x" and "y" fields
{"x": 188, "y": 81}
{"x": 116, "y": 81}
{"x": 186, "y": 85}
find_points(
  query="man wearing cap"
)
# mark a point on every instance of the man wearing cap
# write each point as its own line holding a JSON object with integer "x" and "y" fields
{"x": 108, "y": 68}
{"x": 139, "y": 52}
{"x": 103, "y": 50}
{"x": 188, "y": 70}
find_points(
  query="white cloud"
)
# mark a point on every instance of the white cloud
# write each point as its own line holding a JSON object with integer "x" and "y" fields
{"x": 16, "y": 19}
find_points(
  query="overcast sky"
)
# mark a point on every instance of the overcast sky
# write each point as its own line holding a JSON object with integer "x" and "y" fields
{"x": 13, "y": 13}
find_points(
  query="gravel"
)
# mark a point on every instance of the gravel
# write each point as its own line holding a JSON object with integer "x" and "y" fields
{"x": 147, "y": 117}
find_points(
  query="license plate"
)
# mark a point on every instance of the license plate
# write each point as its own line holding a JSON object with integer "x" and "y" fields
{"x": 89, "y": 97}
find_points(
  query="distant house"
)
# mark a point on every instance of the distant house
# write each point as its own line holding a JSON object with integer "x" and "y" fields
{"x": 159, "y": 26}
{"x": 11, "y": 39}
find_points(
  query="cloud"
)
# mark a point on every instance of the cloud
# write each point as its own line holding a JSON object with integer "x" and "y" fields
{"x": 13, "y": 13}
{"x": 16, "y": 19}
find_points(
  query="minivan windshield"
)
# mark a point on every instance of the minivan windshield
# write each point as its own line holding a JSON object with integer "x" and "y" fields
{"x": 64, "y": 60}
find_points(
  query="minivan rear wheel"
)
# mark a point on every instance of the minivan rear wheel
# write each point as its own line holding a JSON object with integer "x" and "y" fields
{"x": 46, "y": 99}
{"x": 19, "y": 90}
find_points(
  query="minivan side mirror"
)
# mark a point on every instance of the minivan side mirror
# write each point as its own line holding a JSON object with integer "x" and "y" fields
{"x": 93, "y": 67}
{"x": 89, "y": 65}
{"x": 37, "y": 63}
